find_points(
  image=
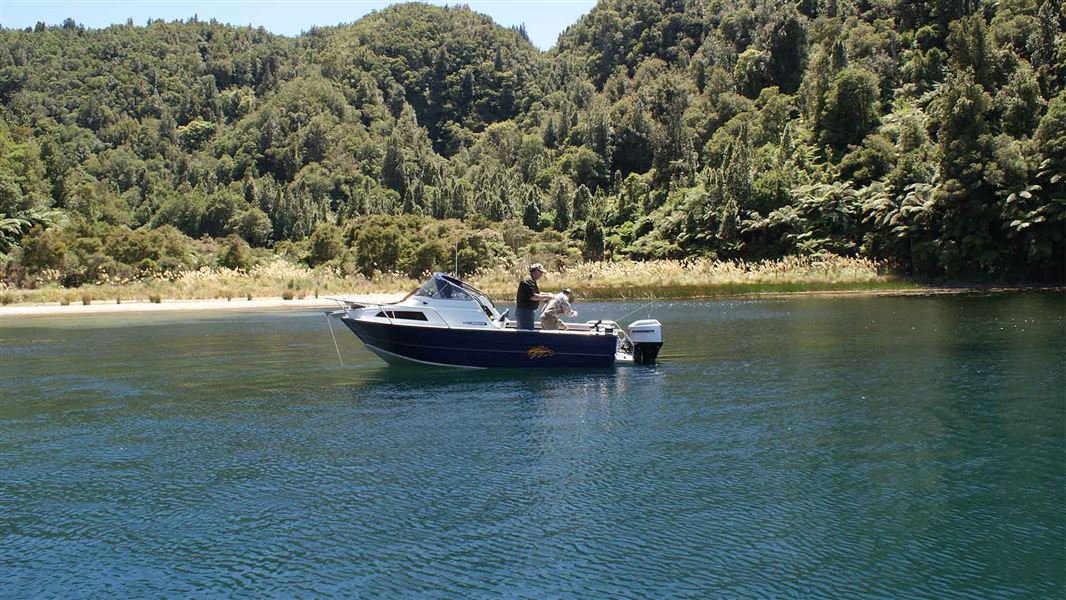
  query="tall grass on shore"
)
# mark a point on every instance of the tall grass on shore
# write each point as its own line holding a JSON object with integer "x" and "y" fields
{"x": 697, "y": 278}
{"x": 274, "y": 279}
{"x": 591, "y": 281}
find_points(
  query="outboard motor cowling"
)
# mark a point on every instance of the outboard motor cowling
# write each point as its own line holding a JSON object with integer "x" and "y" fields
{"x": 647, "y": 337}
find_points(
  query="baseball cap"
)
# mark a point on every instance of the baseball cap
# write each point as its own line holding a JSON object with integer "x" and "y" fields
{"x": 536, "y": 267}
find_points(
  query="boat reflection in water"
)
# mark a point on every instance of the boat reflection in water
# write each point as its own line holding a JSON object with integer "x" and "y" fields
{"x": 449, "y": 323}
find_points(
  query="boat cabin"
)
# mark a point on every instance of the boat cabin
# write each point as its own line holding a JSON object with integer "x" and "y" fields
{"x": 443, "y": 301}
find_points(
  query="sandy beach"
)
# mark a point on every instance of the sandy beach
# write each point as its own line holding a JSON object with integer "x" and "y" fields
{"x": 97, "y": 308}
{"x": 56, "y": 309}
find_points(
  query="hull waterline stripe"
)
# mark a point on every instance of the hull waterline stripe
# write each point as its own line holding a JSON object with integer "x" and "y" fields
{"x": 415, "y": 360}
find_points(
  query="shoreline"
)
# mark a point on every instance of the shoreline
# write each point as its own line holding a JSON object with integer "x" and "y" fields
{"x": 184, "y": 305}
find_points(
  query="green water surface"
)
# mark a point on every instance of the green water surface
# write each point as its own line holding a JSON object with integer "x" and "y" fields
{"x": 835, "y": 448}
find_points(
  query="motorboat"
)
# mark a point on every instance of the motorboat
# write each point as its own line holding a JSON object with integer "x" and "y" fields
{"x": 450, "y": 323}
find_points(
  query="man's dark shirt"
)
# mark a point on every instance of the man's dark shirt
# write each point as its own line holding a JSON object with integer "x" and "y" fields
{"x": 526, "y": 288}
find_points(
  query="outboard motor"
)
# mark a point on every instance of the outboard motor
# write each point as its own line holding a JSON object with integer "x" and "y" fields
{"x": 647, "y": 337}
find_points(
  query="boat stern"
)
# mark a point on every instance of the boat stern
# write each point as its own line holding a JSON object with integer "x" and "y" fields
{"x": 647, "y": 338}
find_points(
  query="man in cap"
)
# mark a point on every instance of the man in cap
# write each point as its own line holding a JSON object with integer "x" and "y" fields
{"x": 529, "y": 297}
{"x": 557, "y": 308}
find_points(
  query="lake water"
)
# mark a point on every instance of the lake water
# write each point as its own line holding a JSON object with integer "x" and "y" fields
{"x": 817, "y": 447}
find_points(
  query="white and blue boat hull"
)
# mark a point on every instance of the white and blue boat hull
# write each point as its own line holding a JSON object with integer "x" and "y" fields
{"x": 483, "y": 348}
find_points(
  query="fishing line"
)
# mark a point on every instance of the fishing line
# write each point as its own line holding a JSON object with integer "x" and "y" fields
{"x": 637, "y": 309}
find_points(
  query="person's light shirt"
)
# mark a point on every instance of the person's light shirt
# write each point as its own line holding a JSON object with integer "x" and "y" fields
{"x": 559, "y": 306}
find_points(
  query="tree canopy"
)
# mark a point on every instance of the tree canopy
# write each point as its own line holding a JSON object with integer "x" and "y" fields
{"x": 928, "y": 134}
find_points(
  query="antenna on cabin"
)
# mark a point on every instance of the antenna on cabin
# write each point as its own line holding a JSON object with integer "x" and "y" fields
{"x": 456, "y": 271}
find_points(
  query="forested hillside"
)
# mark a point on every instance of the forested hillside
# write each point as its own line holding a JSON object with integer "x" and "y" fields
{"x": 928, "y": 134}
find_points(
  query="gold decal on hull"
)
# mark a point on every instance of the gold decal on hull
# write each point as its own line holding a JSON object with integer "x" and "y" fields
{"x": 540, "y": 352}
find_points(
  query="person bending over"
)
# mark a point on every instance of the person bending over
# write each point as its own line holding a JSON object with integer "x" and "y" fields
{"x": 557, "y": 308}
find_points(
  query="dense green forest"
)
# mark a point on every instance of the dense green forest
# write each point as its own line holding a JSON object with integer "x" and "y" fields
{"x": 930, "y": 134}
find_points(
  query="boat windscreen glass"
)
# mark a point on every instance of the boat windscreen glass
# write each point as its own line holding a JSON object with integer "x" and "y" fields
{"x": 478, "y": 295}
{"x": 438, "y": 287}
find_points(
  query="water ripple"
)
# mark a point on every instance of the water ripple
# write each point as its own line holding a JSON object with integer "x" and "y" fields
{"x": 775, "y": 452}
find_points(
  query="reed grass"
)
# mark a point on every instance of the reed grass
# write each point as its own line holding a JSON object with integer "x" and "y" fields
{"x": 591, "y": 281}
{"x": 697, "y": 278}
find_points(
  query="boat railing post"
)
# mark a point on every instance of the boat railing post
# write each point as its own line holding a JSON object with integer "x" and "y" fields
{"x": 386, "y": 313}
{"x": 623, "y": 338}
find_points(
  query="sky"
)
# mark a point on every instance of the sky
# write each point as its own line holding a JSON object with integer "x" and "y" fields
{"x": 544, "y": 19}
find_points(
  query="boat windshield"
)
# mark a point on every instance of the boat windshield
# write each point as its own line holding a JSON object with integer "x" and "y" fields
{"x": 446, "y": 287}
{"x": 478, "y": 295}
{"x": 440, "y": 288}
